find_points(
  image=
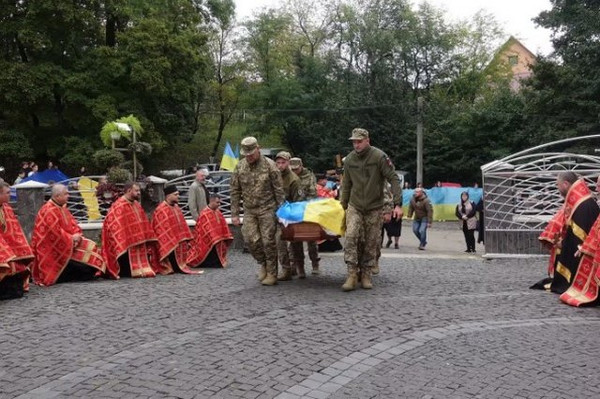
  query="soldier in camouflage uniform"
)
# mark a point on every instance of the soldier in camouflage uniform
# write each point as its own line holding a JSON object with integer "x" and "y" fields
{"x": 257, "y": 181}
{"x": 365, "y": 171}
{"x": 308, "y": 183}
{"x": 291, "y": 189}
{"x": 387, "y": 209}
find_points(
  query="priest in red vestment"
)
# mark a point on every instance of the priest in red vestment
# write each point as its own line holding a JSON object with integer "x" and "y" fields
{"x": 61, "y": 252}
{"x": 212, "y": 237}
{"x": 584, "y": 289}
{"x": 580, "y": 212}
{"x": 551, "y": 238}
{"x": 15, "y": 252}
{"x": 128, "y": 241}
{"x": 174, "y": 235}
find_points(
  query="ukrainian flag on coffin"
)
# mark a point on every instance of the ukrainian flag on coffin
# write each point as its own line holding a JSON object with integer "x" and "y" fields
{"x": 326, "y": 212}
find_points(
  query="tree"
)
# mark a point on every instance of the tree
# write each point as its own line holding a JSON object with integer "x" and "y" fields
{"x": 223, "y": 89}
{"x": 68, "y": 67}
{"x": 564, "y": 96}
{"x": 13, "y": 149}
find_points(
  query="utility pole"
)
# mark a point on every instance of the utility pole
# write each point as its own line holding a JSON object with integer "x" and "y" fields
{"x": 419, "y": 140}
{"x": 134, "y": 155}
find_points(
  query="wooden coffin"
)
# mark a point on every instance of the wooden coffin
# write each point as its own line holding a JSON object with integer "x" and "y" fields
{"x": 305, "y": 231}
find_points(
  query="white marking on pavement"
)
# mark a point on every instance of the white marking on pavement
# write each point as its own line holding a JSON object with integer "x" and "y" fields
{"x": 324, "y": 383}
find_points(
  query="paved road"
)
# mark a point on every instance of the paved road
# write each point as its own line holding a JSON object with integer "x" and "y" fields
{"x": 438, "y": 324}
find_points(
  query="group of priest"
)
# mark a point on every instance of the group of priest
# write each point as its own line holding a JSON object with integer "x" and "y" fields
{"x": 132, "y": 245}
{"x": 573, "y": 239}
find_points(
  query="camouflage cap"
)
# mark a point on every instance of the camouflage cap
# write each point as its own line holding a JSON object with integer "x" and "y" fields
{"x": 283, "y": 154}
{"x": 249, "y": 145}
{"x": 295, "y": 163}
{"x": 359, "y": 134}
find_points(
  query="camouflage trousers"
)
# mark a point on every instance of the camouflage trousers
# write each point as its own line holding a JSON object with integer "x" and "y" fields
{"x": 313, "y": 252}
{"x": 259, "y": 231}
{"x": 288, "y": 252}
{"x": 363, "y": 237}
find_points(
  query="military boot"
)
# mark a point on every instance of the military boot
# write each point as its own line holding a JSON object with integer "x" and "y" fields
{"x": 286, "y": 274}
{"x": 365, "y": 279}
{"x": 315, "y": 268}
{"x": 271, "y": 279}
{"x": 262, "y": 272}
{"x": 351, "y": 280}
{"x": 375, "y": 269}
{"x": 301, "y": 272}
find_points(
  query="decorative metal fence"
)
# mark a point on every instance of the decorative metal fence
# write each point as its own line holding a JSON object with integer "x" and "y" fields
{"x": 217, "y": 182}
{"x": 88, "y": 203}
{"x": 520, "y": 194}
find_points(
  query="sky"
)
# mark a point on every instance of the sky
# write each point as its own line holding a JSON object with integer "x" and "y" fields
{"x": 515, "y": 16}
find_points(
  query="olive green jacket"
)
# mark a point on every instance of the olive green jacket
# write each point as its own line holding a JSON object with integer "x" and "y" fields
{"x": 364, "y": 179}
{"x": 291, "y": 186}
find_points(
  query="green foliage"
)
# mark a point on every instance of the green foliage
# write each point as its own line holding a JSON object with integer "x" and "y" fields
{"x": 13, "y": 149}
{"x": 140, "y": 147}
{"x": 106, "y": 159}
{"x": 111, "y": 127}
{"x": 13, "y": 144}
{"x": 119, "y": 175}
{"x": 564, "y": 96}
{"x": 70, "y": 66}
{"x": 304, "y": 75}
{"x": 74, "y": 153}
{"x": 128, "y": 165}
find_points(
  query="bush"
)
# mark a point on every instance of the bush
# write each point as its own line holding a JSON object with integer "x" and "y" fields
{"x": 74, "y": 153}
{"x": 140, "y": 147}
{"x": 107, "y": 159}
{"x": 129, "y": 166}
{"x": 118, "y": 175}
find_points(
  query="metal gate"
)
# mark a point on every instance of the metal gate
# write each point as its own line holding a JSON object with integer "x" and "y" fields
{"x": 520, "y": 194}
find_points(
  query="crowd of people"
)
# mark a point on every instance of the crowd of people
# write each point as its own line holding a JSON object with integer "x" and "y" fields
{"x": 132, "y": 245}
{"x": 135, "y": 246}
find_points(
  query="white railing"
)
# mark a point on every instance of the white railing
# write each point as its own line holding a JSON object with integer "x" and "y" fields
{"x": 88, "y": 206}
{"x": 520, "y": 192}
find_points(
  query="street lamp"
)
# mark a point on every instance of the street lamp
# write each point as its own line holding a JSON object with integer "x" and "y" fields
{"x": 124, "y": 127}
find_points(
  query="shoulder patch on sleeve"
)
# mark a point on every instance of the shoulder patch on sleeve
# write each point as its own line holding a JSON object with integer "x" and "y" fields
{"x": 389, "y": 161}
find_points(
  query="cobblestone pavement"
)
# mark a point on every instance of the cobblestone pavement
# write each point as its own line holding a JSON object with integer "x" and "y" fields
{"x": 433, "y": 327}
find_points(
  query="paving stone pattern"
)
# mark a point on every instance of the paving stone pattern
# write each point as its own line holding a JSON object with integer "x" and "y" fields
{"x": 431, "y": 328}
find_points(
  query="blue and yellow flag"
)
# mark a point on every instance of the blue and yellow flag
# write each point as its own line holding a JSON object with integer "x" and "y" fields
{"x": 326, "y": 212}
{"x": 87, "y": 188}
{"x": 443, "y": 199}
{"x": 229, "y": 160}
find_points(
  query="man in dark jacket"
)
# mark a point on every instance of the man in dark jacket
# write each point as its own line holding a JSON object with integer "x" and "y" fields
{"x": 422, "y": 209}
{"x": 365, "y": 171}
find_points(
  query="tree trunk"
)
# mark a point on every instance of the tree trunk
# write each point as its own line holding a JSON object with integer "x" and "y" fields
{"x": 222, "y": 124}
